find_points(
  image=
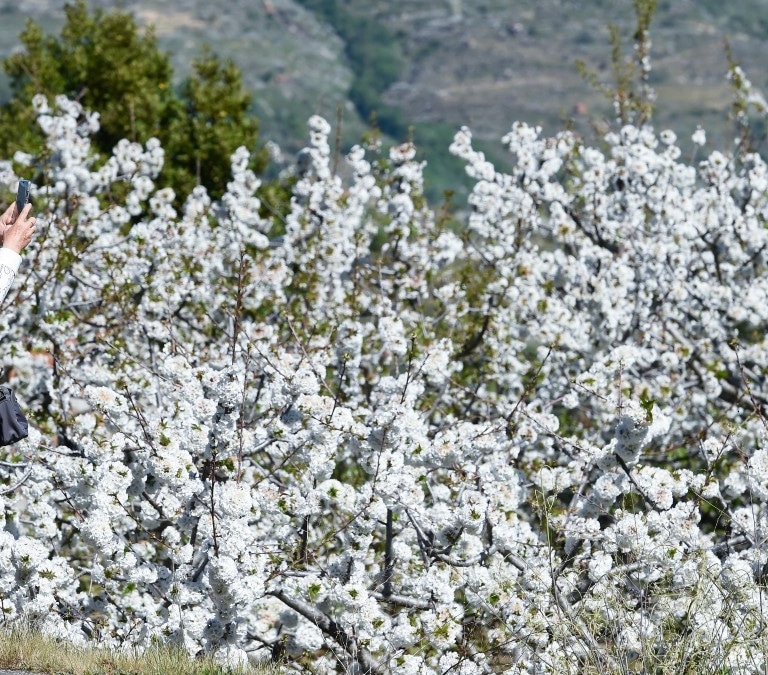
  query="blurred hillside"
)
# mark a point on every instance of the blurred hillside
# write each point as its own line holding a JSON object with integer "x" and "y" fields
{"x": 439, "y": 64}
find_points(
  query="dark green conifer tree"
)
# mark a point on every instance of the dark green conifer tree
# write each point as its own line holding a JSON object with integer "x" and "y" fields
{"x": 105, "y": 61}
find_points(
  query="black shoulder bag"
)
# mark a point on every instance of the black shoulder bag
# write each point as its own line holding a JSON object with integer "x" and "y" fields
{"x": 13, "y": 424}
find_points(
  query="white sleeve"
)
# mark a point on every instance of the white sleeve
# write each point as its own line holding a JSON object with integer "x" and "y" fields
{"x": 9, "y": 265}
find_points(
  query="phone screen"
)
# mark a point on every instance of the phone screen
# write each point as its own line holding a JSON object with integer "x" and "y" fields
{"x": 22, "y": 195}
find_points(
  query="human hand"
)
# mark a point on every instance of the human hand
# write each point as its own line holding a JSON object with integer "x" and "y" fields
{"x": 16, "y": 232}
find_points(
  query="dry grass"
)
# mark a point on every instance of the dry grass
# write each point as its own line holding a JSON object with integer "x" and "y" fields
{"x": 25, "y": 649}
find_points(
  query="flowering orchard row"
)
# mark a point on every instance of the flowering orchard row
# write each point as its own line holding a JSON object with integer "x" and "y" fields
{"x": 363, "y": 438}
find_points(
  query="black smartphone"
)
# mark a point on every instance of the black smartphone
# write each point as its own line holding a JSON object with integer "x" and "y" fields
{"x": 22, "y": 195}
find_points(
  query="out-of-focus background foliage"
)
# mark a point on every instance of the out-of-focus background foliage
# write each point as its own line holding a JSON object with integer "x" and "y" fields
{"x": 422, "y": 68}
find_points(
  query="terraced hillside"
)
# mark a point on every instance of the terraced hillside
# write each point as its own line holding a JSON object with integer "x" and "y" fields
{"x": 446, "y": 63}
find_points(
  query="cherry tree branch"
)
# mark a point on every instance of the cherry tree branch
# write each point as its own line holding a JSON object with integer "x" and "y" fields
{"x": 332, "y": 629}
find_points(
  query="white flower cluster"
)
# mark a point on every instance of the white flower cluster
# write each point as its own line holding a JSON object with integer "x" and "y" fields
{"x": 378, "y": 443}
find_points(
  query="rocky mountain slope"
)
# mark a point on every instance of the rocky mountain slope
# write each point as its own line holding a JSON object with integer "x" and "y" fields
{"x": 484, "y": 63}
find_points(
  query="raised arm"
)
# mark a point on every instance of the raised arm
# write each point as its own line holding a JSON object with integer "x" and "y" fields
{"x": 9, "y": 265}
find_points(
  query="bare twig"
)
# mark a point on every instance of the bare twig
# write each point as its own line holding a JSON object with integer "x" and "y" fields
{"x": 404, "y": 601}
{"x": 389, "y": 562}
{"x": 19, "y": 483}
